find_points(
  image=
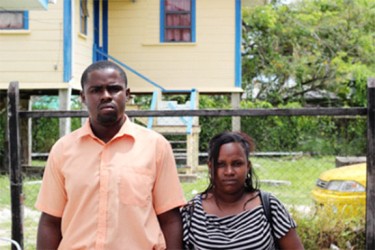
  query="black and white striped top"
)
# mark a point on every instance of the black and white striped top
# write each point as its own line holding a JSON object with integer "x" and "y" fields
{"x": 247, "y": 230}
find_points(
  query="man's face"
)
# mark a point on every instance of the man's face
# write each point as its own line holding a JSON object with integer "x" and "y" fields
{"x": 105, "y": 95}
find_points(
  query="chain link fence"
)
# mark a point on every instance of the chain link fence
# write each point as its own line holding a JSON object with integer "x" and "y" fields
{"x": 291, "y": 153}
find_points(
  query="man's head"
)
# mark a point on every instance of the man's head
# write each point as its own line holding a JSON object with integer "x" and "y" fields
{"x": 102, "y": 65}
{"x": 104, "y": 92}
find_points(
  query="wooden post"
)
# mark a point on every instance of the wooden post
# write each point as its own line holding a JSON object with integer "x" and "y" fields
{"x": 370, "y": 186}
{"x": 15, "y": 173}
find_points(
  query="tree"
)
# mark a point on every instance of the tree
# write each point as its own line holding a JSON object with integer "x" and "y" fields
{"x": 309, "y": 46}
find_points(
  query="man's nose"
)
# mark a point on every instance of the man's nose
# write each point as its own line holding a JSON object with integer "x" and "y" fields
{"x": 106, "y": 94}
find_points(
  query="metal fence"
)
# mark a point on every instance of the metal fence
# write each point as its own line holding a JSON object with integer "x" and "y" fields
{"x": 288, "y": 170}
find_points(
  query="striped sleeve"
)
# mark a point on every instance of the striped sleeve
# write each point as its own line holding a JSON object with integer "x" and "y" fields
{"x": 282, "y": 221}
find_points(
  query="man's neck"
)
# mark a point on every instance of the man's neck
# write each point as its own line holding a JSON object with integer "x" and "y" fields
{"x": 107, "y": 132}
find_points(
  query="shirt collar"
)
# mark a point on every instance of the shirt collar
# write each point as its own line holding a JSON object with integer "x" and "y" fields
{"x": 127, "y": 129}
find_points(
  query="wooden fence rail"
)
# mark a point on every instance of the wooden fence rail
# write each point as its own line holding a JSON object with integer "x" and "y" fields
{"x": 14, "y": 143}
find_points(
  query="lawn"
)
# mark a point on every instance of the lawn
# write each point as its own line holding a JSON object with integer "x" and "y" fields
{"x": 291, "y": 179}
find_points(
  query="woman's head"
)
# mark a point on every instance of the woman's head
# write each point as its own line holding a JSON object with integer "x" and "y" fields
{"x": 228, "y": 155}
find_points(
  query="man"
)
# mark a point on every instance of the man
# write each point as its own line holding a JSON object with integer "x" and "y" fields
{"x": 111, "y": 184}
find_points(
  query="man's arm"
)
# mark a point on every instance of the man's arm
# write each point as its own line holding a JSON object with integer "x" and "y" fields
{"x": 171, "y": 225}
{"x": 49, "y": 232}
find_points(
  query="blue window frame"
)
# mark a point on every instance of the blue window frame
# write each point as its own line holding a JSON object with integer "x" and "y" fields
{"x": 177, "y": 21}
{"x": 84, "y": 14}
{"x": 14, "y": 20}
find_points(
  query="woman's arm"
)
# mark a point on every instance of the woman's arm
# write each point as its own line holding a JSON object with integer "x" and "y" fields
{"x": 291, "y": 241}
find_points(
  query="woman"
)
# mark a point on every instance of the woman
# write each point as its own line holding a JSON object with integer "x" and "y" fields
{"x": 229, "y": 213}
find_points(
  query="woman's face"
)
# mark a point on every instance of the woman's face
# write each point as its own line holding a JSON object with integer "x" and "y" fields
{"x": 232, "y": 168}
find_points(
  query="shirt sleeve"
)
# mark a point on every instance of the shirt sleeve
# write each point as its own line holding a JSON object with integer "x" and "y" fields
{"x": 52, "y": 196}
{"x": 167, "y": 192}
{"x": 282, "y": 221}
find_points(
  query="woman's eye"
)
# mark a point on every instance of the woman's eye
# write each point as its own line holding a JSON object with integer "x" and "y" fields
{"x": 220, "y": 164}
{"x": 237, "y": 163}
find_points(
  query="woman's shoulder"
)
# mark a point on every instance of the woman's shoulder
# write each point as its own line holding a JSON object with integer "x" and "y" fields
{"x": 195, "y": 201}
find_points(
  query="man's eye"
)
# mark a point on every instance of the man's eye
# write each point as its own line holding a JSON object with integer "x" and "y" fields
{"x": 95, "y": 90}
{"x": 114, "y": 88}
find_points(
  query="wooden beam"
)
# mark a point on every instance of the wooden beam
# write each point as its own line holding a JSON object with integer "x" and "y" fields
{"x": 370, "y": 186}
{"x": 210, "y": 112}
{"x": 15, "y": 172}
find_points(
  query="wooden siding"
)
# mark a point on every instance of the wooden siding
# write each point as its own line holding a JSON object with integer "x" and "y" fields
{"x": 207, "y": 65}
{"x": 82, "y": 44}
{"x": 35, "y": 55}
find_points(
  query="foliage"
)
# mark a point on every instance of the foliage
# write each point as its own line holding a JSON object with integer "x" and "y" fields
{"x": 310, "y": 47}
{"x": 211, "y": 126}
{"x": 45, "y": 130}
{"x": 316, "y": 135}
{"x": 321, "y": 230}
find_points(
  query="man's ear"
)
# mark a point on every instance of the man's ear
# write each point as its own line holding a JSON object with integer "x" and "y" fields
{"x": 127, "y": 94}
{"x": 83, "y": 97}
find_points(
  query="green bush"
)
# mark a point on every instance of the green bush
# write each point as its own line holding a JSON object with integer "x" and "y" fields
{"x": 319, "y": 231}
{"x": 316, "y": 135}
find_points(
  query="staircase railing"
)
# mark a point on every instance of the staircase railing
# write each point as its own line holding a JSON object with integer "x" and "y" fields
{"x": 99, "y": 54}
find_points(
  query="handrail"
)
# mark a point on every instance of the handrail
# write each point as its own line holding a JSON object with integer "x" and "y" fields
{"x": 13, "y": 242}
{"x": 153, "y": 107}
{"x": 189, "y": 123}
{"x": 103, "y": 55}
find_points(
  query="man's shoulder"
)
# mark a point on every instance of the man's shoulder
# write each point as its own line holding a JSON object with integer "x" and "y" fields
{"x": 72, "y": 136}
{"x": 141, "y": 130}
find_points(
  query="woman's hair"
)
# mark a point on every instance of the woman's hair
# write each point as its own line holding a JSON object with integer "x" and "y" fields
{"x": 251, "y": 182}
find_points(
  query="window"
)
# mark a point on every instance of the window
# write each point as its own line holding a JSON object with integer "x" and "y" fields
{"x": 14, "y": 20}
{"x": 84, "y": 13}
{"x": 177, "y": 21}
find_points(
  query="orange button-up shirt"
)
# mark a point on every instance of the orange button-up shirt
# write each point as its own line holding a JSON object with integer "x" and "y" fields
{"x": 109, "y": 194}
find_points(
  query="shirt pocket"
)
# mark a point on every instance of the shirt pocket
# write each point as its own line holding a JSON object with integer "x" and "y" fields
{"x": 136, "y": 187}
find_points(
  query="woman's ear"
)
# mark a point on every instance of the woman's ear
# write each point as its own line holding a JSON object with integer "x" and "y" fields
{"x": 209, "y": 163}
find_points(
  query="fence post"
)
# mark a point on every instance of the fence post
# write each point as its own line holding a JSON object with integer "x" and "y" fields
{"x": 370, "y": 186}
{"x": 15, "y": 173}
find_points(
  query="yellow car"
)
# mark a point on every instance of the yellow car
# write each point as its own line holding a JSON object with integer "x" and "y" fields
{"x": 342, "y": 191}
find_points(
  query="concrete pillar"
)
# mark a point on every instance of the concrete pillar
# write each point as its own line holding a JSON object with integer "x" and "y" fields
{"x": 236, "y": 120}
{"x": 64, "y": 104}
{"x": 192, "y": 151}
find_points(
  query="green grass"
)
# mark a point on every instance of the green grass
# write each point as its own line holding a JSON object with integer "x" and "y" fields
{"x": 300, "y": 173}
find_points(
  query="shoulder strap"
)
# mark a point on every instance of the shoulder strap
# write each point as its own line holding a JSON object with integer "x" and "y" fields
{"x": 265, "y": 198}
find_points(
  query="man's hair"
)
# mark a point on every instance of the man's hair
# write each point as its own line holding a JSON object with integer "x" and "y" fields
{"x": 100, "y": 65}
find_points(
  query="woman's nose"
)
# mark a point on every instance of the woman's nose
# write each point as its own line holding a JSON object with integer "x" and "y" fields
{"x": 229, "y": 169}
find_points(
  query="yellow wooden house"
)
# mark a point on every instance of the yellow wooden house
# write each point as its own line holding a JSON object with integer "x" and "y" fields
{"x": 165, "y": 46}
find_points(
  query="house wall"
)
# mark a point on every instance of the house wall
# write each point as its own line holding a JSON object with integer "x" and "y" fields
{"x": 207, "y": 65}
{"x": 34, "y": 55}
{"x": 82, "y": 44}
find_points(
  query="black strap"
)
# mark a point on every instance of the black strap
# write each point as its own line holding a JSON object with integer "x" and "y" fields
{"x": 265, "y": 198}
